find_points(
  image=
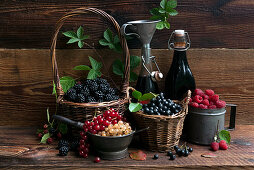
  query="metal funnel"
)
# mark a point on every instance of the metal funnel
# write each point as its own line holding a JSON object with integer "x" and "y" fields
{"x": 143, "y": 29}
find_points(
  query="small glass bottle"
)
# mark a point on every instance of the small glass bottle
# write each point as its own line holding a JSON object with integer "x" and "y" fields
{"x": 179, "y": 78}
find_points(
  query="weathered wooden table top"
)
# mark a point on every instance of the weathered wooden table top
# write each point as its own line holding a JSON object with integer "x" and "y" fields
{"x": 19, "y": 148}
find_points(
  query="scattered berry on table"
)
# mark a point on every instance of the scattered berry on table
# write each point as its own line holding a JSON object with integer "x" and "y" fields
{"x": 169, "y": 153}
{"x": 172, "y": 157}
{"x": 214, "y": 146}
{"x": 49, "y": 140}
{"x": 223, "y": 145}
{"x": 186, "y": 152}
{"x": 190, "y": 149}
{"x": 45, "y": 131}
{"x": 63, "y": 151}
{"x": 156, "y": 156}
{"x": 40, "y": 135}
{"x": 63, "y": 142}
{"x": 176, "y": 147}
{"x": 97, "y": 159}
{"x": 52, "y": 131}
{"x": 45, "y": 126}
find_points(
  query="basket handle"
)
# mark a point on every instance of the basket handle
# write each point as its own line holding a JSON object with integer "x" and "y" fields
{"x": 113, "y": 22}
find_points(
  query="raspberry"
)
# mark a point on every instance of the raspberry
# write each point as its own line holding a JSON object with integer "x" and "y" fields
{"x": 211, "y": 103}
{"x": 209, "y": 92}
{"x": 201, "y": 106}
{"x": 40, "y": 135}
{"x": 214, "y": 98}
{"x": 45, "y": 131}
{"x": 205, "y": 96}
{"x": 223, "y": 145}
{"x": 190, "y": 100}
{"x": 198, "y": 92}
{"x": 214, "y": 146}
{"x": 198, "y": 98}
{"x": 45, "y": 126}
{"x": 194, "y": 104}
{"x": 220, "y": 104}
{"x": 205, "y": 102}
{"x": 49, "y": 140}
{"x": 212, "y": 107}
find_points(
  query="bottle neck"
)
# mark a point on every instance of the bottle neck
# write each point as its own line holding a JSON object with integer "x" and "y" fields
{"x": 179, "y": 56}
{"x": 146, "y": 61}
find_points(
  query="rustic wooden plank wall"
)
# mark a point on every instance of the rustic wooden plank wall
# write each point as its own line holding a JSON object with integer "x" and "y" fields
{"x": 210, "y": 23}
{"x": 26, "y": 79}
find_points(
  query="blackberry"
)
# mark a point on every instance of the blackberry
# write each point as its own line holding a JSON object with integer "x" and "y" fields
{"x": 108, "y": 97}
{"x": 90, "y": 99}
{"x": 117, "y": 92}
{"x": 52, "y": 131}
{"x": 74, "y": 144}
{"x": 102, "y": 81}
{"x": 78, "y": 87}
{"x": 115, "y": 97}
{"x": 92, "y": 85}
{"x": 98, "y": 95}
{"x": 63, "y": 151}
{"x": 71, "y": 95}
{"x": 104, "y": 88}
{"x": 62, "y": 143}
{"x": 85, "y": 91}
{"x": 81, "y": 98}
{"x": 111, "y": 91}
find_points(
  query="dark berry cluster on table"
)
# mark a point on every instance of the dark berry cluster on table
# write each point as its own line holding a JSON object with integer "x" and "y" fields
{"x": 48, "y": 129}
{"x": 64, "y": 146}
{"x": 183, "y": 150}
{"x": 97, "y": 90}
{"x": 161, "y": 106}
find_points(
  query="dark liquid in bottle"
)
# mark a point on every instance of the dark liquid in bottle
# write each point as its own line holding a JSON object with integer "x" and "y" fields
{"x": 145, "y": 84}
{"x": 179, "y": 78}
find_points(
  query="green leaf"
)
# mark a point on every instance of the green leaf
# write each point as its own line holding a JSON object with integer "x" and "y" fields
{"x": 48, "y": 117}
{"x": 84, "y": 37}
{"x": 155, "y": 11}
{"x": 80, "y": 32}
{"x": 160, "y": 25}
{"x": 133, "y": 76}
{"x": 70, "y": 34}
{"x": 162, "y": 11}
{"x": 147, "y": 96}
{"x": 118, "y": 67}
{"x": 82, "y": 67}
{"x": 163, "y": 4}
{"x": 134, "y": 107}
{"x": 108, "y": 35}
{"x": 63, "y": 128}
{"x": 45, "y": 137}
{"x": 172, "y": 4}
{"x": 95, "y": 65}
{"x": 67, "y": 82}
{"x": 136, "y": 94}
{"x": 225, "y": 135}
{"x": 73, "y": 40}
{"x": 166, "y": 25}
{"x": 92, "y": 74}
{"x": 116, "y": 39}
{"x": 54, "y": 88}
{"x": 134, "y": 61}
{"x": 104, "y": 42}
{"x": 80, "y": 44}
{"x": 172, "y": 12}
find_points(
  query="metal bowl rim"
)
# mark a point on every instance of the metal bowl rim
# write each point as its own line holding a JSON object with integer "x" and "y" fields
{"x": 112, "y": 137}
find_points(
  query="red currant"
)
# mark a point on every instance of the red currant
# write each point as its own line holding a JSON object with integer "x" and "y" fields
{"x": 96, "y": 122}
{"x": 102, "y": 128}
{"x": 109, "y": 118}
{"x": 112, "y": 110}
{"x": 85, "y": 155}
{"x": 100, "y": 120}
{"x": 40, "y": 135}
{"x": 81, "y": 152}
{"x": 97, "y": 159}
{"x": 106, "y": 113}
{"x": 87, "y": 123}
{"x": 87, "y": 145}
{"x": 45, "y": 126}
{"x": 82, "y": 142}
{"x": 97, "y": 127}
{"x": 114, "y": 122}
{"x": 105, "y": 122}
{"x": 116, "y": 112}
{"x": 86, "y": 129}
{"x": 99, "y": 117}
{"x": 82, "y": 146}
{"x": 82, "y": 133}
{"x": 113, "y": 114}
{"x": 94, "y": 131}
{"x": 86, "y": 150}
{"x": 92, "y": 124}
{"x": 124, "y": 119}
{"x": 119, "y": 117}
{"x": 95, "y": 118}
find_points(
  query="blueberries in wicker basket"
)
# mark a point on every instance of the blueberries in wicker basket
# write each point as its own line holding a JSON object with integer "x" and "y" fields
{"x": 161, "y": 106}
{"x": 97, "y": 90}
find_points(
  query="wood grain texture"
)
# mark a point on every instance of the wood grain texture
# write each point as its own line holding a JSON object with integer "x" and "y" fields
{"x": 238, "y": 156}
{"x": 210, "y": 23}
{"x": 26, "y": 79}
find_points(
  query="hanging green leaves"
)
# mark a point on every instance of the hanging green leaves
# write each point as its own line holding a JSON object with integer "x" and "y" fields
{"x": 77, "y": 37}
{"x": 66, "y": 83}
{"x": 162, "y": 13}
{"x": 111, "y": 41}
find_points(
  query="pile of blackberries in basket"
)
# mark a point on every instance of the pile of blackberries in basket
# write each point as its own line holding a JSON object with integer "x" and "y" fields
{"x": 97, "y": 90}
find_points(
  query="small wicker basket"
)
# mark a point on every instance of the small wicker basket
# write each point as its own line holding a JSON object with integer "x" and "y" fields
{"x": 85, "y": 111}
{"x": 164, "y": 131}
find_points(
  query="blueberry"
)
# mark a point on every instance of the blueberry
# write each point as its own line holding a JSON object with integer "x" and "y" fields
{"x": 186, "y": 153}
{"x": 173, "y": 157}
{"x": 158, "y": 113}
{"x": 179, "y": 152}
{"x": 176, "y": 111}
{"x": 160, "y": 109}
{"x": 155, "y": 110}
{"x": 160, "y": 105}
{"x": 153, "y": 104}
{"x": 182, "y": 152}
{"x": 166, "y": 103}
{"x": 165, "y": 108}
{"x": 170, "y": 101}
{"x": 151, "y": 112}
{"x": 153, "y": 100}
{"x": 164, "y": 100}
{"x": 145, "y": 105}
{"x": 176, "y": 147}
{"x": 190, "y": 149}
{"x": 156, "y": 156}
{"x": 169, "y": 153}
{"x": 168, "y": 112}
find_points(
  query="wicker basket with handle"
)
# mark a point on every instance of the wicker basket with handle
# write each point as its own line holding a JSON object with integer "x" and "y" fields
{"x": 164, "y": 131}
{"x": 85, "y": 111}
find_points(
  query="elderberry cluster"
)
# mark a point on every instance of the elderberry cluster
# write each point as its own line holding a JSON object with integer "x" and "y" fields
{"x": 161, "y": 106}
{"x": 97, "y": 90}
